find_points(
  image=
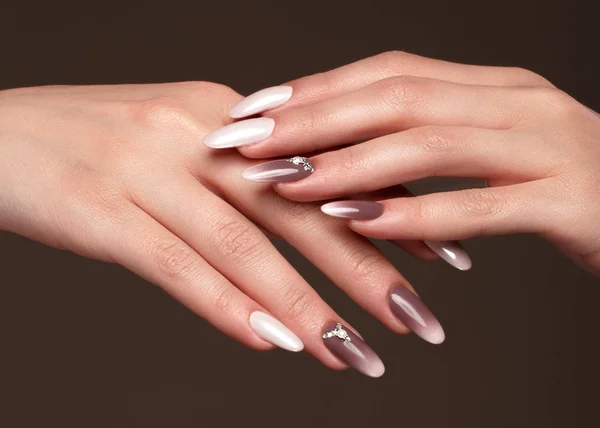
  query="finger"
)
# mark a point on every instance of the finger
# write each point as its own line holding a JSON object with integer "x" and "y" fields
{"x": 151, "y": 251}
{"x": 351, "y": 77}
{"x": 242, "y": 253}
{"x": 361, "y": 73}
{"x": 464, "y": 214}
{"x": 450, "y": 251}
{"x": 448, "y": 151}
{"x": 387, "y": 106}
{"x": 416, "y": 248}
{"x": 349, "y": 260}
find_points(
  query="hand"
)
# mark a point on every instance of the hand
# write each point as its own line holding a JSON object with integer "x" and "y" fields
{"x": 537, "y": 147}
{"x": 119, "y": 174}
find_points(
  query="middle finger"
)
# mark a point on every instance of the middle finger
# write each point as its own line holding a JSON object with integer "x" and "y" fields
{"x": 387, "y": 106}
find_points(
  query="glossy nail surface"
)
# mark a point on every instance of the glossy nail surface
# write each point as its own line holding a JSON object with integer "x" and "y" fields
{"x": 415, "y": 315}
{"x": 351, "y": 349}
{"x": 240, "y": 133}
{"x": 357, "y": 210}
{"x": 260, "y": 101}
{"x": 279, "y": 171}
{"x": 273, "y": 330}
{"x": 452, "y": 252}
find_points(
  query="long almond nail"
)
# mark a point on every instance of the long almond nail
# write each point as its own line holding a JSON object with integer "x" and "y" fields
{"x": 260, "y": 101}
{"x": 357, "y": 210}
{"x": 452, "y": 252}
{"x": 272, "y": 330}
{"x": 351, "y": 349}
{"x": 415, "y": 315}
{"x": 240, "y": 133}
{"x": 280, "y": 170}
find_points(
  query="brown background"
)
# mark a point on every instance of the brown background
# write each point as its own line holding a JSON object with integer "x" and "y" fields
{"x": 86, "y": 344}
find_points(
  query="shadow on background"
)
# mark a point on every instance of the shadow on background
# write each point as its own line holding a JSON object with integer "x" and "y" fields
{"x": 87, "y": 344}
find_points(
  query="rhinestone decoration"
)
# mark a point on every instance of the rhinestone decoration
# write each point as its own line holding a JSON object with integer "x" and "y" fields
{"x": 338, "y": 332}
{"x": 304, "y": 162}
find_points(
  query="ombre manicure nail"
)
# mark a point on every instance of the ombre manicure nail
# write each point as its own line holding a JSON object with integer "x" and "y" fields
{"x": 357, "y": 210}
{"x": 240, "y": 133}
{"x": 272, "y": 330}
{"x": 415, "y": 315}
{"x": 351, "y": 349}
{"x": 279, "y": 171}
{"x": 260, "y": 101}
{"x": 452, "y": 252}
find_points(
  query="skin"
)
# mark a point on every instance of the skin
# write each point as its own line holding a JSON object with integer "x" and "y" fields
{"x": 537, "y": 148}
{"x": 120, "y": 174}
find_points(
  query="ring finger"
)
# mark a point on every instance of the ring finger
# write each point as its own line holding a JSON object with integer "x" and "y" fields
{"x": 448, "y": 151}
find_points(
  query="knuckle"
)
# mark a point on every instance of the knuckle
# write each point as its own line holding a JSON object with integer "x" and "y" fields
{"x": 481, "y": 204}
{"x": 417, "y": 214}
{"x": 310, "y": 119}
{"x": 400, "y": 93}
{"x": 173, "y": 258}
{"x": 391, "y": 62}
{"x": 162, "y": 112}
{"x": 364, "y": 263}
{"x": 350, "y": 162}
{"x": 222, "y": 296}
{"x": 302, "y": 215}
{"x": 297, "y": 302}
{"x": 218, "y": 91}
{"x": 557, "y": 103}
{"x": 433, "y": 139}
{"x": 235, "y": 239}
{"x": 527, "y": 77}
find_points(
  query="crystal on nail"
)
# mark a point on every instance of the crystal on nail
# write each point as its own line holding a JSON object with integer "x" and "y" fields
{"x": 338, "y": 332}
{"x": 304, "y": 162}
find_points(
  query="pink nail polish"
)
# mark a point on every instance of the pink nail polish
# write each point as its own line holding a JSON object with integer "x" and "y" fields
{"x": 356, "y": 210}
{"x": 415, "y": 315}
{"x": 452, "y": 252}
{"x": 279, "y": 171}
{"x": 351, "y": 349}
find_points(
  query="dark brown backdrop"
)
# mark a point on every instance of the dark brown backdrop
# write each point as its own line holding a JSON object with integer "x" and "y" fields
{"x": 85, "y": 344}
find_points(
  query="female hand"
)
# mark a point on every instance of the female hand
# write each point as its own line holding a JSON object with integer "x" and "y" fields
{"x": 119, "y": 173}
{"x": 537, "y": 147}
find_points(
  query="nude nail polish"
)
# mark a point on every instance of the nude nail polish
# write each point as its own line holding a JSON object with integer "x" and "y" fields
{"x": 415, "y": 315}
{"x": 452, "y": 252}
{"x": 240, "y": 133}
{"x": 273, "y": 331}
{"x": 356, "y": 210}
{"x": 260, "y": 101}
{"x": 279, "y": 171}
{"x": 351, "y": 349}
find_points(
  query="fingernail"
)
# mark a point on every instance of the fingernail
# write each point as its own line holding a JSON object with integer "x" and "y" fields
{"x": 280, "y": 170}
{"x": 260, "y": 101}
{"x": 452, "y": 252}
{"x": 415, "y": 315}
{"x": 272, "y": 330}
{"x": 351, "y": 349}
{"x": 357, "y": 210}
{"x": 240, "y": 133}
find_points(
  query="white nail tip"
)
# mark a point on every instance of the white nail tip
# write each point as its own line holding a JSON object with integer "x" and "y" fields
{"x": 240, "y": 133}
{"x": 260, "y": 101}
{"x": 272, "y": 330}
{"x": 437, "y": 337}
{"x": 452, "y": 253}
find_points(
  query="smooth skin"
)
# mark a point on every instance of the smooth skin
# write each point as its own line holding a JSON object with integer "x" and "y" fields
{"x": 537, "y": 148}
{"x": 120, "y": 174}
